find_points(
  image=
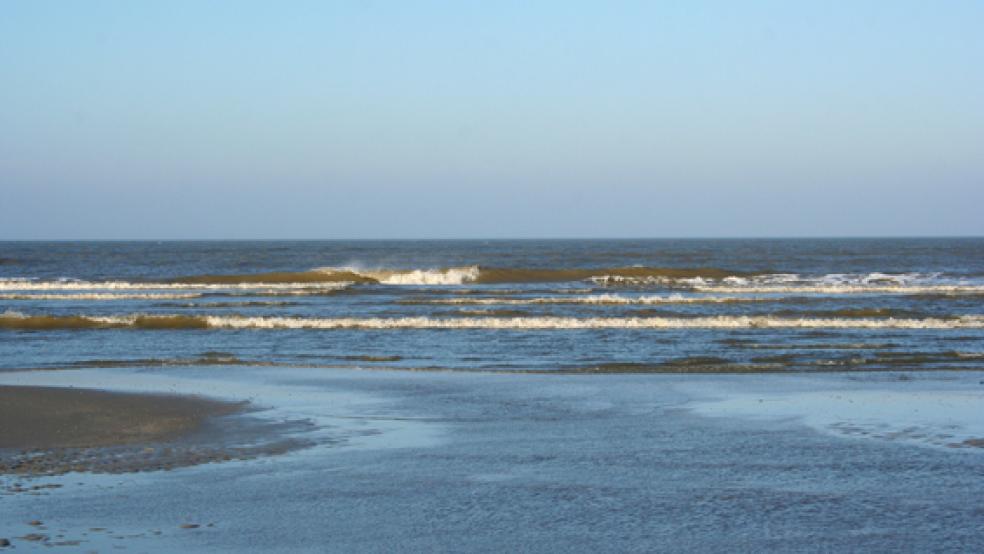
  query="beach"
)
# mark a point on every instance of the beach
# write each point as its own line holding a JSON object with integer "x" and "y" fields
{"x": 584, "y": 396}
{"x": 49, "y": 417}
{"x": 56, "y": 430}
{"x": 443, "y": 461}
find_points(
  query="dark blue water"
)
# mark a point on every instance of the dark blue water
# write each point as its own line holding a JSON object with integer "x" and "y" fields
{"x": 157, "y": 259}
{"x": 574, "y": 305}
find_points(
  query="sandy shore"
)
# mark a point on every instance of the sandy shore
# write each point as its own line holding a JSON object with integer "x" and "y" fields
{"x": 53, "y": 417}
{"x": 53, "y": 430}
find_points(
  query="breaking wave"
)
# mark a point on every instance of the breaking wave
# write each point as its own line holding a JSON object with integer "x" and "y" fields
{"x": 445, "y": 276}
{"x": 601, "y": 275}
{"x": 715, "y": 322}
{"x": 840, "y": 283}
{"x": 491, "y": 275}
{"x": 18, "y": 321}
{"x": 707, "y": 279}
{"x": 696, "y": 278}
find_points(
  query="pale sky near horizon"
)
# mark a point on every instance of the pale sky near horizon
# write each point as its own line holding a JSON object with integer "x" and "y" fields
{"x": 459, "y": 119}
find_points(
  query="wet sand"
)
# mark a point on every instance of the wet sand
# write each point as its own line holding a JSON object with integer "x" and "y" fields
{"x": 54, "y": 417}
{"x": 54, "y": 430}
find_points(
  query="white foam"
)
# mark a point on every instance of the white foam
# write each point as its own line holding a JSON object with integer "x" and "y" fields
{"x": 450, "y": 276}
{"x": 120, "y": 320}
{"x": 831, "y": 283}
{"x": 842, "y": 283}
{"x": 842, "y": 289}
{"x": 720, "y": 322}
{"x": 442, "y": 276}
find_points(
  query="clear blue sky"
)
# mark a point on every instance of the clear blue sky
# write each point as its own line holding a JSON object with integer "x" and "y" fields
{"x": 212, "y": 119}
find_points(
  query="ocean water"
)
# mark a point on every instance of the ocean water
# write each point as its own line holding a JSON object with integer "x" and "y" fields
{"x": 524, "y": 306}
{"x": 522, "y": 396}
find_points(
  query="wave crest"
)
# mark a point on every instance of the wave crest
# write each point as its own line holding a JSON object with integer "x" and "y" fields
{"x": 840, "y": 289}
{"x": 711, "y": 322}
{"x": 705, "y": 279}
{"x": 18, "y": 321}
{"x": 501, "y": 275}
{"x": 442, "y": 276}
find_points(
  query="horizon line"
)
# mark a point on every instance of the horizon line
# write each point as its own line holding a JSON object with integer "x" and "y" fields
{"x": 523, "y": 238}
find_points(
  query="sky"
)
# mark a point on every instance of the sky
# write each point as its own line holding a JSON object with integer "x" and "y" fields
{"x": 477, "y": 119}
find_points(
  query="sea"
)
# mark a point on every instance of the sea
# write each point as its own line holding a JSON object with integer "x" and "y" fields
{"x": 670, "y": 395}
{"x": 506, "y": 305}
